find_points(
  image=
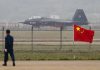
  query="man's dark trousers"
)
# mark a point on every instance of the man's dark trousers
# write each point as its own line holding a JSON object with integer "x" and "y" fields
{"x": 6, "y": 56}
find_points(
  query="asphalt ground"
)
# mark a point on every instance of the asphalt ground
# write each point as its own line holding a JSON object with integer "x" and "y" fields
{"x": 52, "y": 65}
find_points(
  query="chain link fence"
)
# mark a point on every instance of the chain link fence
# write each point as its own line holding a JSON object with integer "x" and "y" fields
{"x": 47, "y": 39}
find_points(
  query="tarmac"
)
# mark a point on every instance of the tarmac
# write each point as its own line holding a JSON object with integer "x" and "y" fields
{"x": 53, "y": 65}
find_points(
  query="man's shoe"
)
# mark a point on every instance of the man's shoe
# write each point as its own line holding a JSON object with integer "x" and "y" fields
{"x": 4, "y": 64}
{"x": 14, "y": 64}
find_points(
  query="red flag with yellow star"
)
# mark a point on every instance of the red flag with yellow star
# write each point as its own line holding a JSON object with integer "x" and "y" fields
{"x": 82, "y": 34}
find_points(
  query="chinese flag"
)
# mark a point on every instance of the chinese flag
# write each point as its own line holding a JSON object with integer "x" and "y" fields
{"x": 82, "y": 34}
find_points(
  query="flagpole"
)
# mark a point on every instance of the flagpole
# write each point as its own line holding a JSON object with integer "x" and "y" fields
{"x": 89, "y": 43}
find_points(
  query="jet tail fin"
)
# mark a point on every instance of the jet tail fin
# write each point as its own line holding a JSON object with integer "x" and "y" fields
{"x": 80, "y": 16}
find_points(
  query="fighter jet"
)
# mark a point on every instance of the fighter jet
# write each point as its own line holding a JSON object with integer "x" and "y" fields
{"x": 79, "y": 19}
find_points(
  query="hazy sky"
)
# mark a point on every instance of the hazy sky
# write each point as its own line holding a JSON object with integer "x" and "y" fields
{"x": 19, "y": 10}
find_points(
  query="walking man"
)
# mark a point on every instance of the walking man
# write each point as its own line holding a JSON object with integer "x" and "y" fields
{"x": 8, "y": 48}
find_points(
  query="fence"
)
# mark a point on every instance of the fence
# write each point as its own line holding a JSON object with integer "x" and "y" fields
{"x": 47, "y": 39}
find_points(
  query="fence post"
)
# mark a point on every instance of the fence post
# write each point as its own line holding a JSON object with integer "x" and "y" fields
{"x": 60, "y": 38}
{"x": 32, "y": 37}
{"x": 2, "y": 38}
